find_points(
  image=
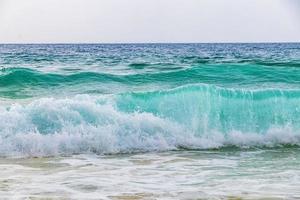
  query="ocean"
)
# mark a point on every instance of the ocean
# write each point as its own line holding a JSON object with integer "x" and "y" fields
{"x": 150, "y": 121}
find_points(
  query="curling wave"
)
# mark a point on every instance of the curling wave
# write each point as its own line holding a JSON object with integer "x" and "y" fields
{"x": 192, "y": 117}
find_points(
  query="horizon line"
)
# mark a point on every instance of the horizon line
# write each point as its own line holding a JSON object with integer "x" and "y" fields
{"x": 108, "y": 43}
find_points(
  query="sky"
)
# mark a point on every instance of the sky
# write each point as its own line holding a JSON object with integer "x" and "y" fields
{"x": 143, "y": 21}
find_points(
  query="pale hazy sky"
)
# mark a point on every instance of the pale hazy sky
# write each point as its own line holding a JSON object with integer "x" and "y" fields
{"x": 109, "y": 21}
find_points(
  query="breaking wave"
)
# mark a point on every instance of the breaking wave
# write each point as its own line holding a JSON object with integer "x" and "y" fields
{"x": 192, "y": 117}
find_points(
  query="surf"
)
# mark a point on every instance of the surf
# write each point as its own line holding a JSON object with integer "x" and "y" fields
{"x": 192, "y": 117}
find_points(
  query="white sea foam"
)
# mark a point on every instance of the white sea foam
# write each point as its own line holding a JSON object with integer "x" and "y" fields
{"x": 86, "y": 124}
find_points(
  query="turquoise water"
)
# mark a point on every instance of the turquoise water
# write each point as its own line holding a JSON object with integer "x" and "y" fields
{"x": 144, "y": 97}
{"x": 32, "y": 70}
{"x": 233, "y": 107}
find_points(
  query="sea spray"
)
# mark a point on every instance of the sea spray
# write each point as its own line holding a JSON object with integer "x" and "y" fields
{"x": 191, "y": 117}
{"x": 121, "y": 98}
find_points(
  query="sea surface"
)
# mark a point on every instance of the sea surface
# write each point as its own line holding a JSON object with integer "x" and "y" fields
{"x": 150, "y": 121}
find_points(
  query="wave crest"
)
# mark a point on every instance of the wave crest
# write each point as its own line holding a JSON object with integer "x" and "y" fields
{"x": 192, "y": 117}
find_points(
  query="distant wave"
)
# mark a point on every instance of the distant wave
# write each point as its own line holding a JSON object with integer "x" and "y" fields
{"x": 191, "y": 117}
{"x": 15, "y": 82}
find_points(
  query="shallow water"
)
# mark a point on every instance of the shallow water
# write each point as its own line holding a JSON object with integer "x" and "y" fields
{"x": 215, "y": 174}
